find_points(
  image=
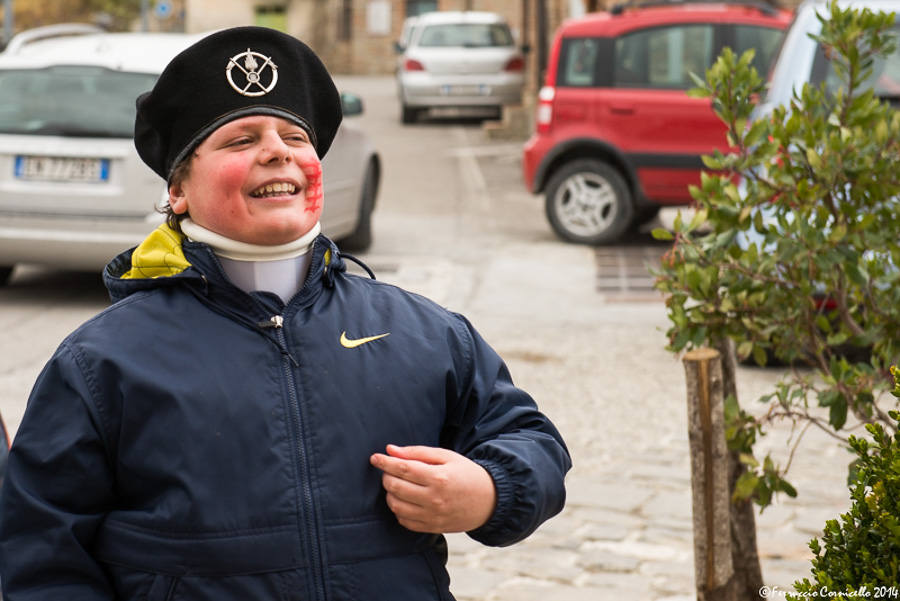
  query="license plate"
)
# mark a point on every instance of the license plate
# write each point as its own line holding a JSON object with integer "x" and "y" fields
{"x": 481, "y": 90}
{"x": 62, "y": 169}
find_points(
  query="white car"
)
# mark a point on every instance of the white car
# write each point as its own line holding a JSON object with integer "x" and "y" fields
{"x": 73, "y": 191}
{"x": 458, "y": 59}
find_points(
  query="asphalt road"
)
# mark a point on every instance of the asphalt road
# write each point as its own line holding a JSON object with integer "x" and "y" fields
{"x": 580, "y": 328}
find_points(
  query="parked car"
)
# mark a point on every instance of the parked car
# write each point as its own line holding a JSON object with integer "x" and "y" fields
{"x": 73, "y": 191}
{"x": 458, "y": 59}
{"x": 616, "y": 136}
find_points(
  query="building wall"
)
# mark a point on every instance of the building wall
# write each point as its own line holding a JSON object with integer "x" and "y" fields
{"x": 205, "y": 15}
{"x": 374, "y": 25}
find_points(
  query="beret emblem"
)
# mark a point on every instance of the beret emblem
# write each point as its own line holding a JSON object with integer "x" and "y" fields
{"x": 256, "y": 77}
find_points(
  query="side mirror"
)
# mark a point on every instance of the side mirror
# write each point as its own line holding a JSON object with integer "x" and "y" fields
{"x": 351, "y": 104}
{"x": 398, "y": 48}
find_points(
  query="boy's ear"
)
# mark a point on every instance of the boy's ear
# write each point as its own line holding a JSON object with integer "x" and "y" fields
{"x": 177, "y": 199}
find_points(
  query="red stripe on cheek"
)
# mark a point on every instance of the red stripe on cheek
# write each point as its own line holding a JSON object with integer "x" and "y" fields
{"x": 315, "y": 193}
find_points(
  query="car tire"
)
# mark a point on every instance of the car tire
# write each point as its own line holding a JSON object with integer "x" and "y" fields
{"x": 410, "y": 114}
{"x": 589, "y": 202}
{"x": 644, "y": 216}
{"x": 361, "y": 238}
{"x": 5, "y": 274}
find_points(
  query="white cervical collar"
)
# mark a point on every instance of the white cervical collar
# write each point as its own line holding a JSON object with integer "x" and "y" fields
{"x": 280, "y": 269}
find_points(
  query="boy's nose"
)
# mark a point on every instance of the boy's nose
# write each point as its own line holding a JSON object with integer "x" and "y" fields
{"x": 275, "y": 149}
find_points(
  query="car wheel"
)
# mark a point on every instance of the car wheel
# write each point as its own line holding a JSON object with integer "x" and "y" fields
{"x": 410, "y": 114}
{"x": 361, "y": 238}
{"x": 5, "y": 274}
{"x": 588, "y": 202}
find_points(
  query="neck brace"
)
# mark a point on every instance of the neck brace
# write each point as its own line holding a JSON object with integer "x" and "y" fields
{"x": 281, "y": 269}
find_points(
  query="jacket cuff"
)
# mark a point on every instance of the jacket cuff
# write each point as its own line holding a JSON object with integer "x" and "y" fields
{"x": 503, "y": 484}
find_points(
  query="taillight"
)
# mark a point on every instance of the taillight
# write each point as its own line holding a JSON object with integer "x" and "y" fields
{"x": 544, "y": 112}
{"x": 515, "y": 65}
{"x": 412, "y": 65}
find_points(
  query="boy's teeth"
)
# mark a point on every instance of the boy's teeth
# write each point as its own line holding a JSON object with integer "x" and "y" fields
{"x": 275, "y": 188}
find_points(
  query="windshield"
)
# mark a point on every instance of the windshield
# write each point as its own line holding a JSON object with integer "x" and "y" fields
{"x": 70, "y": 101}
{"x": 468, "y": 35}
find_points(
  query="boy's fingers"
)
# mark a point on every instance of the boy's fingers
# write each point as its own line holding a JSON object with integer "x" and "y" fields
{"x": 429, "y": 455}
{"x": 404, "y": 469}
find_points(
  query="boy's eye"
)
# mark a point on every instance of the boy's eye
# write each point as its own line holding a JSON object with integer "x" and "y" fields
{"x": 297, "y": 138}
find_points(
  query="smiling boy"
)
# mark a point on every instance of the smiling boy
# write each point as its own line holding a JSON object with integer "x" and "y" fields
{"x": 247, "y": 420}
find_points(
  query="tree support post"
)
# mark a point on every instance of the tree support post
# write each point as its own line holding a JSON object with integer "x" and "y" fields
{"x": 710, "y": 469}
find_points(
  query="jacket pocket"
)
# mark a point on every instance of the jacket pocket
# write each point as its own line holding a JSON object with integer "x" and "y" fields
{"x": 417, "y": 577}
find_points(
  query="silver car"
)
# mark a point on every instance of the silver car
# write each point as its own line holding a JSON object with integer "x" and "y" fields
{"x": 459, "y": 59}
{"x": 73, "y": 191}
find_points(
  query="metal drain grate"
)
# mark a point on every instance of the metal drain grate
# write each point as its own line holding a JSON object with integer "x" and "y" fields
{"x": 622, "y": 271}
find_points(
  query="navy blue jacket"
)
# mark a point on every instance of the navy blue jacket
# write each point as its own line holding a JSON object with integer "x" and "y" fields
{"x": 193, "y": 441}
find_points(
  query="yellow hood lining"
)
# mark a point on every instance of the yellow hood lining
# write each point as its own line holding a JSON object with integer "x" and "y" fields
{"x": 159, "y": 255}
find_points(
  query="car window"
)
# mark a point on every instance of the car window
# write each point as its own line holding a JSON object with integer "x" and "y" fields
{"x": 469, "y": 35}
{"x": 663, "y": 57}
{"x": 764, "y": 40}
{"x": 885, "y": 78}
{"x": 70, "y": 101}
{"x": 578, "y": 62}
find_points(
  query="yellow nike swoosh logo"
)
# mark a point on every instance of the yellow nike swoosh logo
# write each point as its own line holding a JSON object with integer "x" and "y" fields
{"x": 353, "y": 343}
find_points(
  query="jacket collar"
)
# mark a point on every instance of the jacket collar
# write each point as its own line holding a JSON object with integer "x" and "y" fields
{"x": 166, "y": 258}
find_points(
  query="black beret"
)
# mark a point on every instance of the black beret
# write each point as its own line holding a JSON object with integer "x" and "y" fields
{"x": 231, "y": 74}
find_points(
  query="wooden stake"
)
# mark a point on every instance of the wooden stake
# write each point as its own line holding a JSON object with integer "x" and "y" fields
{"x": 709, "y": 480}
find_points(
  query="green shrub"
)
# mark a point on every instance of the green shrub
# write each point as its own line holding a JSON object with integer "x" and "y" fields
{"x": 814, "y": 189}
{"x": 859, "y": 555}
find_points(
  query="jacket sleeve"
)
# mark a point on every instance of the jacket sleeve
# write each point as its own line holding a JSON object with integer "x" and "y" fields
{"x": 499, "y": 426}
{"x": 57, "y": 490}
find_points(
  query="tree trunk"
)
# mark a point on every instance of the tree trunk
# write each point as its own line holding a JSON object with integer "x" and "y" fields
{"x": 744, "y": 553}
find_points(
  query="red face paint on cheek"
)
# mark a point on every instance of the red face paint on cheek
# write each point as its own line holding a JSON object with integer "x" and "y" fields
{"x": 315, "y": 194}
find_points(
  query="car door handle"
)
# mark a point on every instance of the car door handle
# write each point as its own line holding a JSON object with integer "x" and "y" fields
{"x": 621, "y": 108}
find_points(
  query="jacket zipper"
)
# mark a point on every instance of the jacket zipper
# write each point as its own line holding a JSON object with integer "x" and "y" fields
{"x": 312, "y": 535}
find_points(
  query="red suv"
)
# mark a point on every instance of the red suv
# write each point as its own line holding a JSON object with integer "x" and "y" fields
{"x": 616, "y": 136}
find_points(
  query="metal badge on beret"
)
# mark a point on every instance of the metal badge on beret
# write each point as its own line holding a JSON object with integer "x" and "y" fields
{"x": 251, "y": 78}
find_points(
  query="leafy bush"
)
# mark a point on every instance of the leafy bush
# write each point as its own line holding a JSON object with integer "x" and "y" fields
{"x": 861, "y": 552}
{"x": 793, "y": 252}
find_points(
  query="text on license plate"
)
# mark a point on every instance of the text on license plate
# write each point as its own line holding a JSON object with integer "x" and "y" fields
{"x": 479, "y": 90}
{"x": 62, "y": 169}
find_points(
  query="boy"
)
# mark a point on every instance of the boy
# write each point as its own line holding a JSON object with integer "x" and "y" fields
{"x": 247, "y": 421}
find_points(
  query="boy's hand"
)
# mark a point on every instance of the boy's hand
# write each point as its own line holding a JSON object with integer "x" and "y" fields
{"x": 436, "y": 490}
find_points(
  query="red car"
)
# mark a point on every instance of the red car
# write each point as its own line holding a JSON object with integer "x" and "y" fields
{"x": 616, "y": 136}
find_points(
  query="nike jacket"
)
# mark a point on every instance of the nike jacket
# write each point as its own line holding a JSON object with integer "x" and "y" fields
{"x": 196, "y": 442}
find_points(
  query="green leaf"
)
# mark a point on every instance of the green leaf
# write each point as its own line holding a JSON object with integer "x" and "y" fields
{"x": 813, "y": 158}
{"x": 837, "y": 416}
{"x": 745, "y": 486}
{"x": 662, "y": 234}
{"x": 760, "y": 356}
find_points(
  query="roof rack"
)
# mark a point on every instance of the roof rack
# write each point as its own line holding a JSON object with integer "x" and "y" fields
{"x": 20, "y": 40}
{"x": 764, "y": 7}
